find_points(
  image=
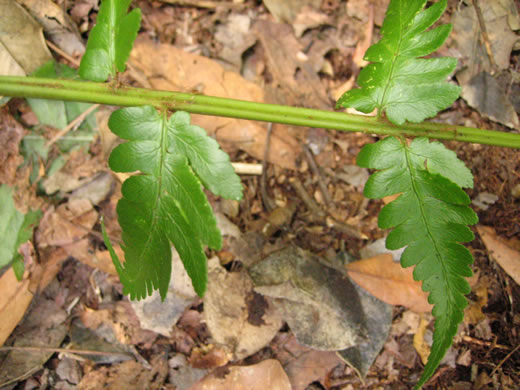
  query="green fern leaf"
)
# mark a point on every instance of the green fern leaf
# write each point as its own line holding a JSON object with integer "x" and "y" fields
{"x": 165, "y": 203}
{"x": 396, "y": 81}
{"x": 430, "y": 218}
{"x": 110, "y": 41}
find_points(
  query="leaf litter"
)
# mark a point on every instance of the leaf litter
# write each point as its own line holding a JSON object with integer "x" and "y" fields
{"x": 191, "y": 29}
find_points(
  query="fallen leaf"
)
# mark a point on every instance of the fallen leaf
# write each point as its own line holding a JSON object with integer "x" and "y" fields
{"x": 229, "y": 315}
{"x": 178, "y": 70}
{"x": 310, "y": 367}
{"x": 387, "y": 280}
{"x": 160, "y": 316}
{"x": 508, "y": 258}
{"x": 22, "y": 38}
{"x": 318, "y": 302}
{"x": 128, "y": 375}
{"x": 17, "y": 295}
{"x": 235, "y": 38}
{"x": 295, "y": 79}
{"x": 268, "y": 374}
{"x": 420, "y": 345}
{"x": 57, "y": 24}
{"x": 45, "y": 326}
{"x": 362, "y": 356}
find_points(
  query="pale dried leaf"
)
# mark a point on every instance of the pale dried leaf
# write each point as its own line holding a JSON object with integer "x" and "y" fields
{"x": 507, "y": 257}
{"x": 268, "y": 374}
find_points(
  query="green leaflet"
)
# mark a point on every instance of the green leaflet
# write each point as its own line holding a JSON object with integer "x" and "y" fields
{"x": 165, "y": 203}
{"x": 110, "y": 41}
{"x": 15, "y": 229}
{"x": 407, "y": 88}
{"x": 430, "y": 218}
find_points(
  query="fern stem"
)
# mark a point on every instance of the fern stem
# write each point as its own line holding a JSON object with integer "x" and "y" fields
{"x": 101, "y": 93}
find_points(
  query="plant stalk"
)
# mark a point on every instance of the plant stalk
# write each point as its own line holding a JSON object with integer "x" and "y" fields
{"x": 103, "y": 93}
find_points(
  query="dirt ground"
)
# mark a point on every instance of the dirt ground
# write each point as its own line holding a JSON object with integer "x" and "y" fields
{"x": 309, "y": 197}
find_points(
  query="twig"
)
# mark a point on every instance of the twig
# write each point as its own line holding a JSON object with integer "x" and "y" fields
{"x": 248, "y": 169}
{"x": 321, "y": 183}
{"x": 266, "y": 199}
{"x": 504, "y": 360}
{"x": 72, "y": 125}
{"x": 64, "y": 350}
{"x": 56, "y": 49}
{"x": 304, "y": 196}
{"x": 485, "y": 36}
{"x": 200, "y": 3}
{"x": 484, "y": 343}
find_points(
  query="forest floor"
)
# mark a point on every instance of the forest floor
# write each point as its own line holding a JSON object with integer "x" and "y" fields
{"x": 301, "y": 53}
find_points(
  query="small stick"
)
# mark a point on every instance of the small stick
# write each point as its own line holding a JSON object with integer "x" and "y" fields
{"x": 504, "y": 360}
{"x": 321, "y": 183}
{"x": 200, "y": 3}
{"x": 64, "y": 350}
{"x": 266, "y": 199}
{"x": 304, "y": 196}
{"x": 72, "y": 125}
{"x": 484, "y": 343}
{"x": 56, "y": 49}
{"x": 485, "y": 36}
{"x": 247, "y": 169}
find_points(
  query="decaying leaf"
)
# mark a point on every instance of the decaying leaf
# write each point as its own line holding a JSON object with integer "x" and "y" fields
{"x": 318, "y": 302}
{"x": 237, "y": 317}
{"x": 387, "y": 280}
{"x": 160, "y": 316}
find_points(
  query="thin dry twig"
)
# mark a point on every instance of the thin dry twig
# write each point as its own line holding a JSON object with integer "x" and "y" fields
{"x": 57, "y": 50}
{"x": 248, "y": 169}
{"x": 201, "y": 3}
{"x": 504, "y": 360}
{"x": 485, "y": 36}
{"x": 72, "y": 125}
{"x": 64, "y": 350}
{"x": 305, "y": 197}
{"x": 268, "y": 202}
{"x": 321, "y": 183}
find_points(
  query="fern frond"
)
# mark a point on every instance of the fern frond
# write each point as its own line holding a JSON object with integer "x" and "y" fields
{"x": 165, "y": 204}
{"x": 396, "y": 81}
{"x": 110, "y": 41}
{"x": 430, "y": 218}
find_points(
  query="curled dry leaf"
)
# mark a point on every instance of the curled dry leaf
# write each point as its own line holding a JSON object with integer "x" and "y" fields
{"x": 387, "y": 280}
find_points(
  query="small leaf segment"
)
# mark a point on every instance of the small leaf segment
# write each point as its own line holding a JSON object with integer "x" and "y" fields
{"x": 430, "y": 218}
{"x": 396, "y": 81}
{"x": 165, "y": 203}
{"x": 15, "y": 229}
{"x": 110, "y": 41}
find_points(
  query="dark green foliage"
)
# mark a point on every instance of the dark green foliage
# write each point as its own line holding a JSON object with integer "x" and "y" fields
{"x": 110, "y": 41}
{"x": 430, "y": 218}
{"x": 165, "y": 204}
{"x": 396, "y": 81}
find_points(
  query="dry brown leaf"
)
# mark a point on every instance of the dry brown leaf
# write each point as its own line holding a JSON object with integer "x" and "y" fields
{"x": 16, "y": 295}
{"x": 508, "y": 258}
{"x": 171, "y": 68}
{"x": 236, "y": 317}
{"x": 128, "y": 375}
{"x": 388, "y": 281}
{"x": 268, "y": 374}
{"x": 310, "y": 367}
